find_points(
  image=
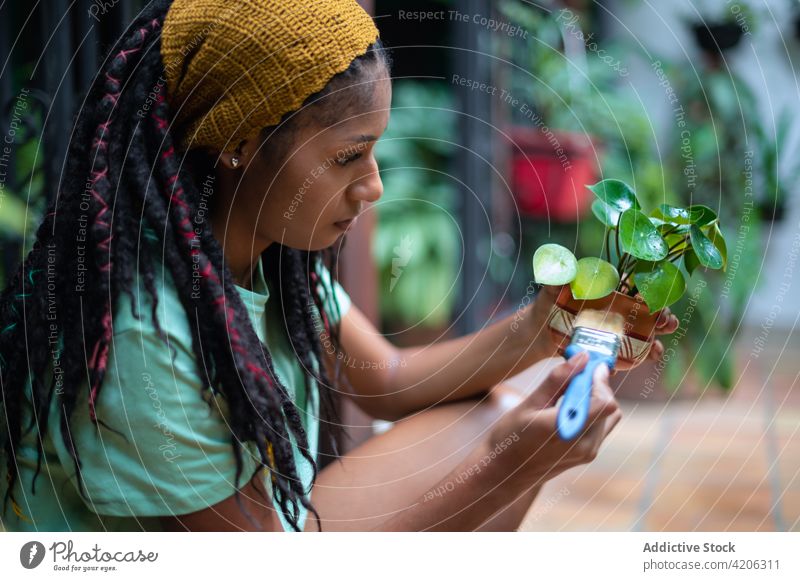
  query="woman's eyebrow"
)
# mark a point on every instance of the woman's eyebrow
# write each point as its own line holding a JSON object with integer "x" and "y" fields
{"x": 362, "y": 138}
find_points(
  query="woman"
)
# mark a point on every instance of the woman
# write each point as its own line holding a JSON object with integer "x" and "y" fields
{"x": 161, "y": 344}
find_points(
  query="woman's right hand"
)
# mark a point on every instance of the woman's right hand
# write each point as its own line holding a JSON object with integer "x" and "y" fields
{"x": 538, "y": 453}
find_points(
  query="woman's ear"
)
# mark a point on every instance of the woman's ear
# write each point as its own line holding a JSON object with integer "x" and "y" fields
{"x": 241, "y": 157}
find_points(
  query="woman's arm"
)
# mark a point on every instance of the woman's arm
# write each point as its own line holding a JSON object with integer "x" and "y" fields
{"x": 228, "y": 516}
{"x": 479, "y": 486}
{"x": 391, "y": 382}
{"x": 465, "y": 508}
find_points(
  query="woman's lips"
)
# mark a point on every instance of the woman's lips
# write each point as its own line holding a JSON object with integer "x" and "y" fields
{"x": 345, "y": 224}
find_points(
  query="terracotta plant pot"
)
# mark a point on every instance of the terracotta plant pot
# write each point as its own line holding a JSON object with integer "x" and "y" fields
{"x": 640, "y": 324}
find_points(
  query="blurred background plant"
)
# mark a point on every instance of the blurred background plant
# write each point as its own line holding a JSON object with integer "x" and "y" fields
{"x": 577, "y": 83}
{"x": 21, "y": 191}
{"x": 573, "y": 91}
{"x": 417, "y": 245}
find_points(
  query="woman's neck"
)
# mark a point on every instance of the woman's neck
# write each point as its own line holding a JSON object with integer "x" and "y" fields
{"x": 236, "y": 232}
{"x": 242, "y": 254}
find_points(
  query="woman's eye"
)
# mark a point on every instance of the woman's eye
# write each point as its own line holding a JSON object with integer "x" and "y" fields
{"x": 342, "y": 161}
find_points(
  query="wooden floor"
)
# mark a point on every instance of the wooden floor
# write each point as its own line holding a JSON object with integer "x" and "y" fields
{"x": 706, "y": 463}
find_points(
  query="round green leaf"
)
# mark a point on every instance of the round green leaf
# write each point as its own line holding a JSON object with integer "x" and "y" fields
{"x": 676, "y": 242}
{"x": 639, "y": 237}
{"x": 675, "y": 214}
{"x": 690, "y": 261}
{"x": 643, "y": 266}
{"x": 605, "y": 213}
{"x": 616, "y": 194}
{"x": 704, "y": 248}
{"x": 715, "y": 235}
{"x": 554, "y": 265}
{"x": 595, "y": 279}
{"x": 704, "y": 214}
{"x": 661, "y": 286}
{"x": 669, "y": 228}
{"x": 670, "y": 232}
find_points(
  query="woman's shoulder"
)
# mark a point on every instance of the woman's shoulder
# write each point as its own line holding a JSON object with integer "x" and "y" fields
{"x": 134, "y": 312}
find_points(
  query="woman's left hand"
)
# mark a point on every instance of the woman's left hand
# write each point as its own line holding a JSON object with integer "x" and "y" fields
{"x": 538, "y": 312}
{"x": 666, "y": 324}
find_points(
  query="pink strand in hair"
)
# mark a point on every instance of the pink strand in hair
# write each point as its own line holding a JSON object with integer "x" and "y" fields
{"x": 98, "y": 361}
{"x": 176, "y": 196}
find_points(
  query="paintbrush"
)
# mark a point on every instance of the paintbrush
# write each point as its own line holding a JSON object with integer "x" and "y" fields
{"x": 600, "y": 333}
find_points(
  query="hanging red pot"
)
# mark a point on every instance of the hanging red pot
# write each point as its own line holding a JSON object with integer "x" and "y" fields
{"x": 549, "y": 173}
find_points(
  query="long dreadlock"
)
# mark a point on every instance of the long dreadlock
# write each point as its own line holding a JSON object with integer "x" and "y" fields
{"x": 126, "y": 189}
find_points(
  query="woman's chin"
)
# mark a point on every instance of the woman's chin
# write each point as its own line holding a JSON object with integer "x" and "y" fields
{"x": 323, "y": 242}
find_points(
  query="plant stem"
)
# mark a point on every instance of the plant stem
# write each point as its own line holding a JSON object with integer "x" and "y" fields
{"x": 624, "y": 262}
{"x": 670, "y": 251}
{"x": 673, "y": 256}
{"x": 678, "y": 243}
{"x": 670, "y": 231}
{"x": 623, "y": 280}
{"x": 608, "y": 244}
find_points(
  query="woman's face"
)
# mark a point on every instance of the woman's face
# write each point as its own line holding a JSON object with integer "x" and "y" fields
{"x": 328, "y": 177}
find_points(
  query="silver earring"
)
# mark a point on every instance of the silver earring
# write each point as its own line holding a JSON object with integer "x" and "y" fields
{"x": 235, "y": 161}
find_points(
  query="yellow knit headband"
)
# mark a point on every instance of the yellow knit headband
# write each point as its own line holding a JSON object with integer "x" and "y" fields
{"x": 234, "y": 67}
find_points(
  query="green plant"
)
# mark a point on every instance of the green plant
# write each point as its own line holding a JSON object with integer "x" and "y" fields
{"x": 776, "y": 170}
{"x": 21, "y": 205}
{"x": 652, "y": 252}
{"x": 713, "y": 159}
{"x": 416, "y": 245}
{"x": 584, "y": 95}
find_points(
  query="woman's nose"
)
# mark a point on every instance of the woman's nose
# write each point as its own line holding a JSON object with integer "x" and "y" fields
{"x": 368, "y": 187}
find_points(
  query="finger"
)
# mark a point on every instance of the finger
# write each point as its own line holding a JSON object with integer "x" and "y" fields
{"x": 667, "y": 322}
{"x": 601, "y": 431}
{"x": 612, "y": 421}
{"x": 603, "y": 403}
{"x": 552, "y": 290}
{"x": 656, "y": 351}
{"x": 557, "y": 380}
{"x": 600, "y": 385}
{"x": 663, "y": 317}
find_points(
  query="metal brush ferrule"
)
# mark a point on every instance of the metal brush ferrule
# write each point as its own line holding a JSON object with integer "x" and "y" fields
{"x": 601, "y": 342}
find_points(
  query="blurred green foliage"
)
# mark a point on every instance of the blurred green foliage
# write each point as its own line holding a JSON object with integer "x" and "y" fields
{"x": 21, "y": 202}
{"x": 417, "y": 244}
{"x": 576, "y": 90}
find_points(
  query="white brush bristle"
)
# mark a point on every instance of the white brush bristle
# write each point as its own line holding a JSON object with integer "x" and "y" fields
{"x": 601, "y": 320}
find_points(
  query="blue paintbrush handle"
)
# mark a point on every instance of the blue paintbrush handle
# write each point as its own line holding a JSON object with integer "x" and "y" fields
{"x": 575, "y": 405}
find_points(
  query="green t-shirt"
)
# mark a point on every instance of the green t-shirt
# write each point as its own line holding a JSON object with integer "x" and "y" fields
{"x": 173, "y": 453}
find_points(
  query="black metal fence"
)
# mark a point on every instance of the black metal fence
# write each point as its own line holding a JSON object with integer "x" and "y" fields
{"x": 50, "y": 51}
